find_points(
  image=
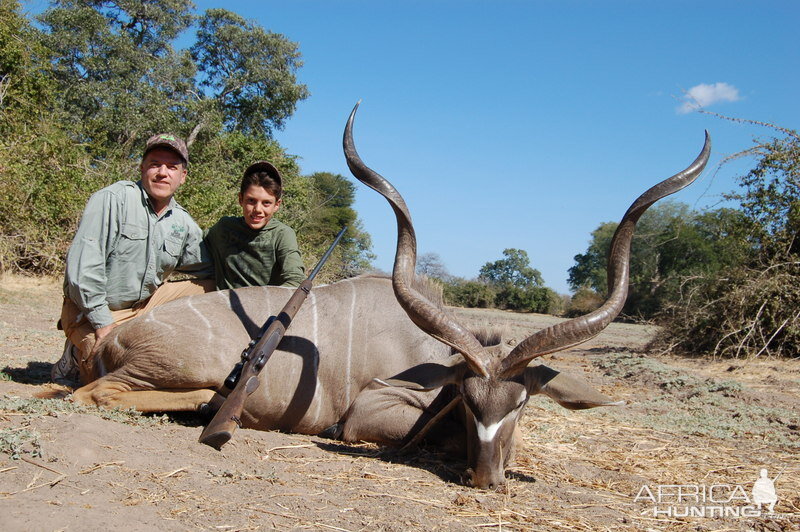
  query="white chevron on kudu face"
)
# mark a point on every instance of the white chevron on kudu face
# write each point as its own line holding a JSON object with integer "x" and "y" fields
{"x": 487, "y": 433}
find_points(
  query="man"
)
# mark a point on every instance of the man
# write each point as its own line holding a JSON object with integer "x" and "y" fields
{"x": 130, "y": 238}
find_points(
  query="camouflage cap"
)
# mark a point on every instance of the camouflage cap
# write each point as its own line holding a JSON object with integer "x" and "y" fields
{"x": 264, "y": 166}
{"x": 170, "y": 142}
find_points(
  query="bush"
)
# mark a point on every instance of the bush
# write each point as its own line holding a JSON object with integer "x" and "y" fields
{"x": 46, "y": 179}
{"x": 44, "y": 183}
{"x": 479, "y": 294}
{"x": 469, "y": 294}
{"x": 750, "y": 307}
{"x": 584, "y": 301}
{"x": 530, "y": 299}
{"x": 748, "y": 313}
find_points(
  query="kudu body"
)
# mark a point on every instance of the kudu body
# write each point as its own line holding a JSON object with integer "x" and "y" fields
{"x": 366, "y": 358}
{"x": 343, "y": 336}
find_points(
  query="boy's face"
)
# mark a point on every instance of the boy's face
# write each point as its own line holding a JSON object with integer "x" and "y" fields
{"x": 258, "y": 206}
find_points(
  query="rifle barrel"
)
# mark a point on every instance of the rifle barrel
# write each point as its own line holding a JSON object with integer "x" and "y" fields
{"x": 327, "y": 254}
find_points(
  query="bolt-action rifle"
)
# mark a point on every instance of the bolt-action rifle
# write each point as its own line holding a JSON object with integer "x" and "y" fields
{"x": 244, "y": 380}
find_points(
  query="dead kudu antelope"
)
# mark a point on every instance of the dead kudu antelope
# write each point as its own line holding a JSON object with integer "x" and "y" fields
{"x": 355, "y": 363}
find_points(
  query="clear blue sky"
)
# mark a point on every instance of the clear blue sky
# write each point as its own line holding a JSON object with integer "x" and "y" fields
{"x": 525, "y": 124}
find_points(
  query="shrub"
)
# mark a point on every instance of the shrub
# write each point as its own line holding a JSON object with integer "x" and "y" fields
{"x": 748, "y": 313}
{"x": 469, "y": 294}
{"x": 584, "y": 301}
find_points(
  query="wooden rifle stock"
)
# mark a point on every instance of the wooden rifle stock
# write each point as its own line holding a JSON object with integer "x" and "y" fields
{"x": 228, "y": 417}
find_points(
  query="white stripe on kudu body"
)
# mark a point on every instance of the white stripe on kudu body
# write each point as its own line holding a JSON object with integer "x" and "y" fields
{"x": 350, "y": 326}
{"x": 315, "y": 336}
{"x": 206, "y": 323}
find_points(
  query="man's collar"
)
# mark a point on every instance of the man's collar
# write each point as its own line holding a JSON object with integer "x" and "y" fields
{"x": 147, "y": 202}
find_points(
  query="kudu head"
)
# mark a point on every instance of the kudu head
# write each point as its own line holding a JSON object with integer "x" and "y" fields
{"x": 495, "y": 382}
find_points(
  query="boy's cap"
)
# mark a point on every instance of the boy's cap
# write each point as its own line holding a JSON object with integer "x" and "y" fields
{"x": 264, "y": 166}
{"x": 170, "y": 142}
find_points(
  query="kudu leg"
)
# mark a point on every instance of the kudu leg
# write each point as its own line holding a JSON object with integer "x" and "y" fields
{"x": 110, "y": 394}
{"x": 394, "y": 416}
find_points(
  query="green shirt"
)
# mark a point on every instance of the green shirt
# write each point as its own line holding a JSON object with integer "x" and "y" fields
{"x": 246, "y": 257}
{"x": 123, "y": 251}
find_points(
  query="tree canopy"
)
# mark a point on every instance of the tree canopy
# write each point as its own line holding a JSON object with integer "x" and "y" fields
{"x": 119, "y": 77}
{"x": 509, "y": 283}
{"x": 247, "y": 73}
{"x": 82, "y": 90}
{"x": 673, "y": 245}
{"x": 332, "y": 200}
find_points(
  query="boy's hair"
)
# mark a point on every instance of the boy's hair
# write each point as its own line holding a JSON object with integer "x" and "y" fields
{"x": 262, "y": 174}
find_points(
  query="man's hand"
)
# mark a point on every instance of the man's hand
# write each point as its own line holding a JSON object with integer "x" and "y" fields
{"x": 101, "y": 333}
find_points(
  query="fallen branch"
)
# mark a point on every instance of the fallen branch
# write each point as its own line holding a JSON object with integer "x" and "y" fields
{"x": 25, "y": 459}
{"x": 100, "y": 466}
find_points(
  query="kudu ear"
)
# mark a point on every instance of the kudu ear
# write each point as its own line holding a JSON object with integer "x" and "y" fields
{"x": 428, "y": 376}
{"x": 567, "y": 391}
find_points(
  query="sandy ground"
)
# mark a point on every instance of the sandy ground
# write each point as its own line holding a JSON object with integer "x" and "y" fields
{"x": 691, "y": 439}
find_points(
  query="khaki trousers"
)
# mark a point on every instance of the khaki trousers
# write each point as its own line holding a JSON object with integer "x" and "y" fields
{"x": 81, "y": 333}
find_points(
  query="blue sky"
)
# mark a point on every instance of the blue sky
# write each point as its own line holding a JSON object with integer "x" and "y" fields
{"x": 525, "y": 124}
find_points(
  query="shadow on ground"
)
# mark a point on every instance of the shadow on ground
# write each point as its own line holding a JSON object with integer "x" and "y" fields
{"x": 34, "y": 373}
{"x": 440, "y": 464}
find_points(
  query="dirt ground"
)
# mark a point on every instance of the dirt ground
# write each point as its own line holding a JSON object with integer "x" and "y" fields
{"x": 684, "y": 453}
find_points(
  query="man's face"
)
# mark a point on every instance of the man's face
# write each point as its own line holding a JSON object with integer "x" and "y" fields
{"x": 163, "y": 172}
{"x": 258, "y": 206}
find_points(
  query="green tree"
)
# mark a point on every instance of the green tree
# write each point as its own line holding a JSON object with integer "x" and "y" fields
{"x": 331, "y": 202}
{"x": 118, "y": 77}
{"x": 770, "y": 198}
{"x": 672, "y": 248}
{"x": 589, "y": 270}
{"x": 517, "y": 285}
{"x": 25, "y": 85}
{"x": 514, "y": 269}
{"x": 247, "y": 72}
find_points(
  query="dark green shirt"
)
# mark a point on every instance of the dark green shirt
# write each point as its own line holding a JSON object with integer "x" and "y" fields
{"x": 246, "y": 257}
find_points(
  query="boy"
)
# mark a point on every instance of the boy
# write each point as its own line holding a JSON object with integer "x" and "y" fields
{"x": 255, "y": 249}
